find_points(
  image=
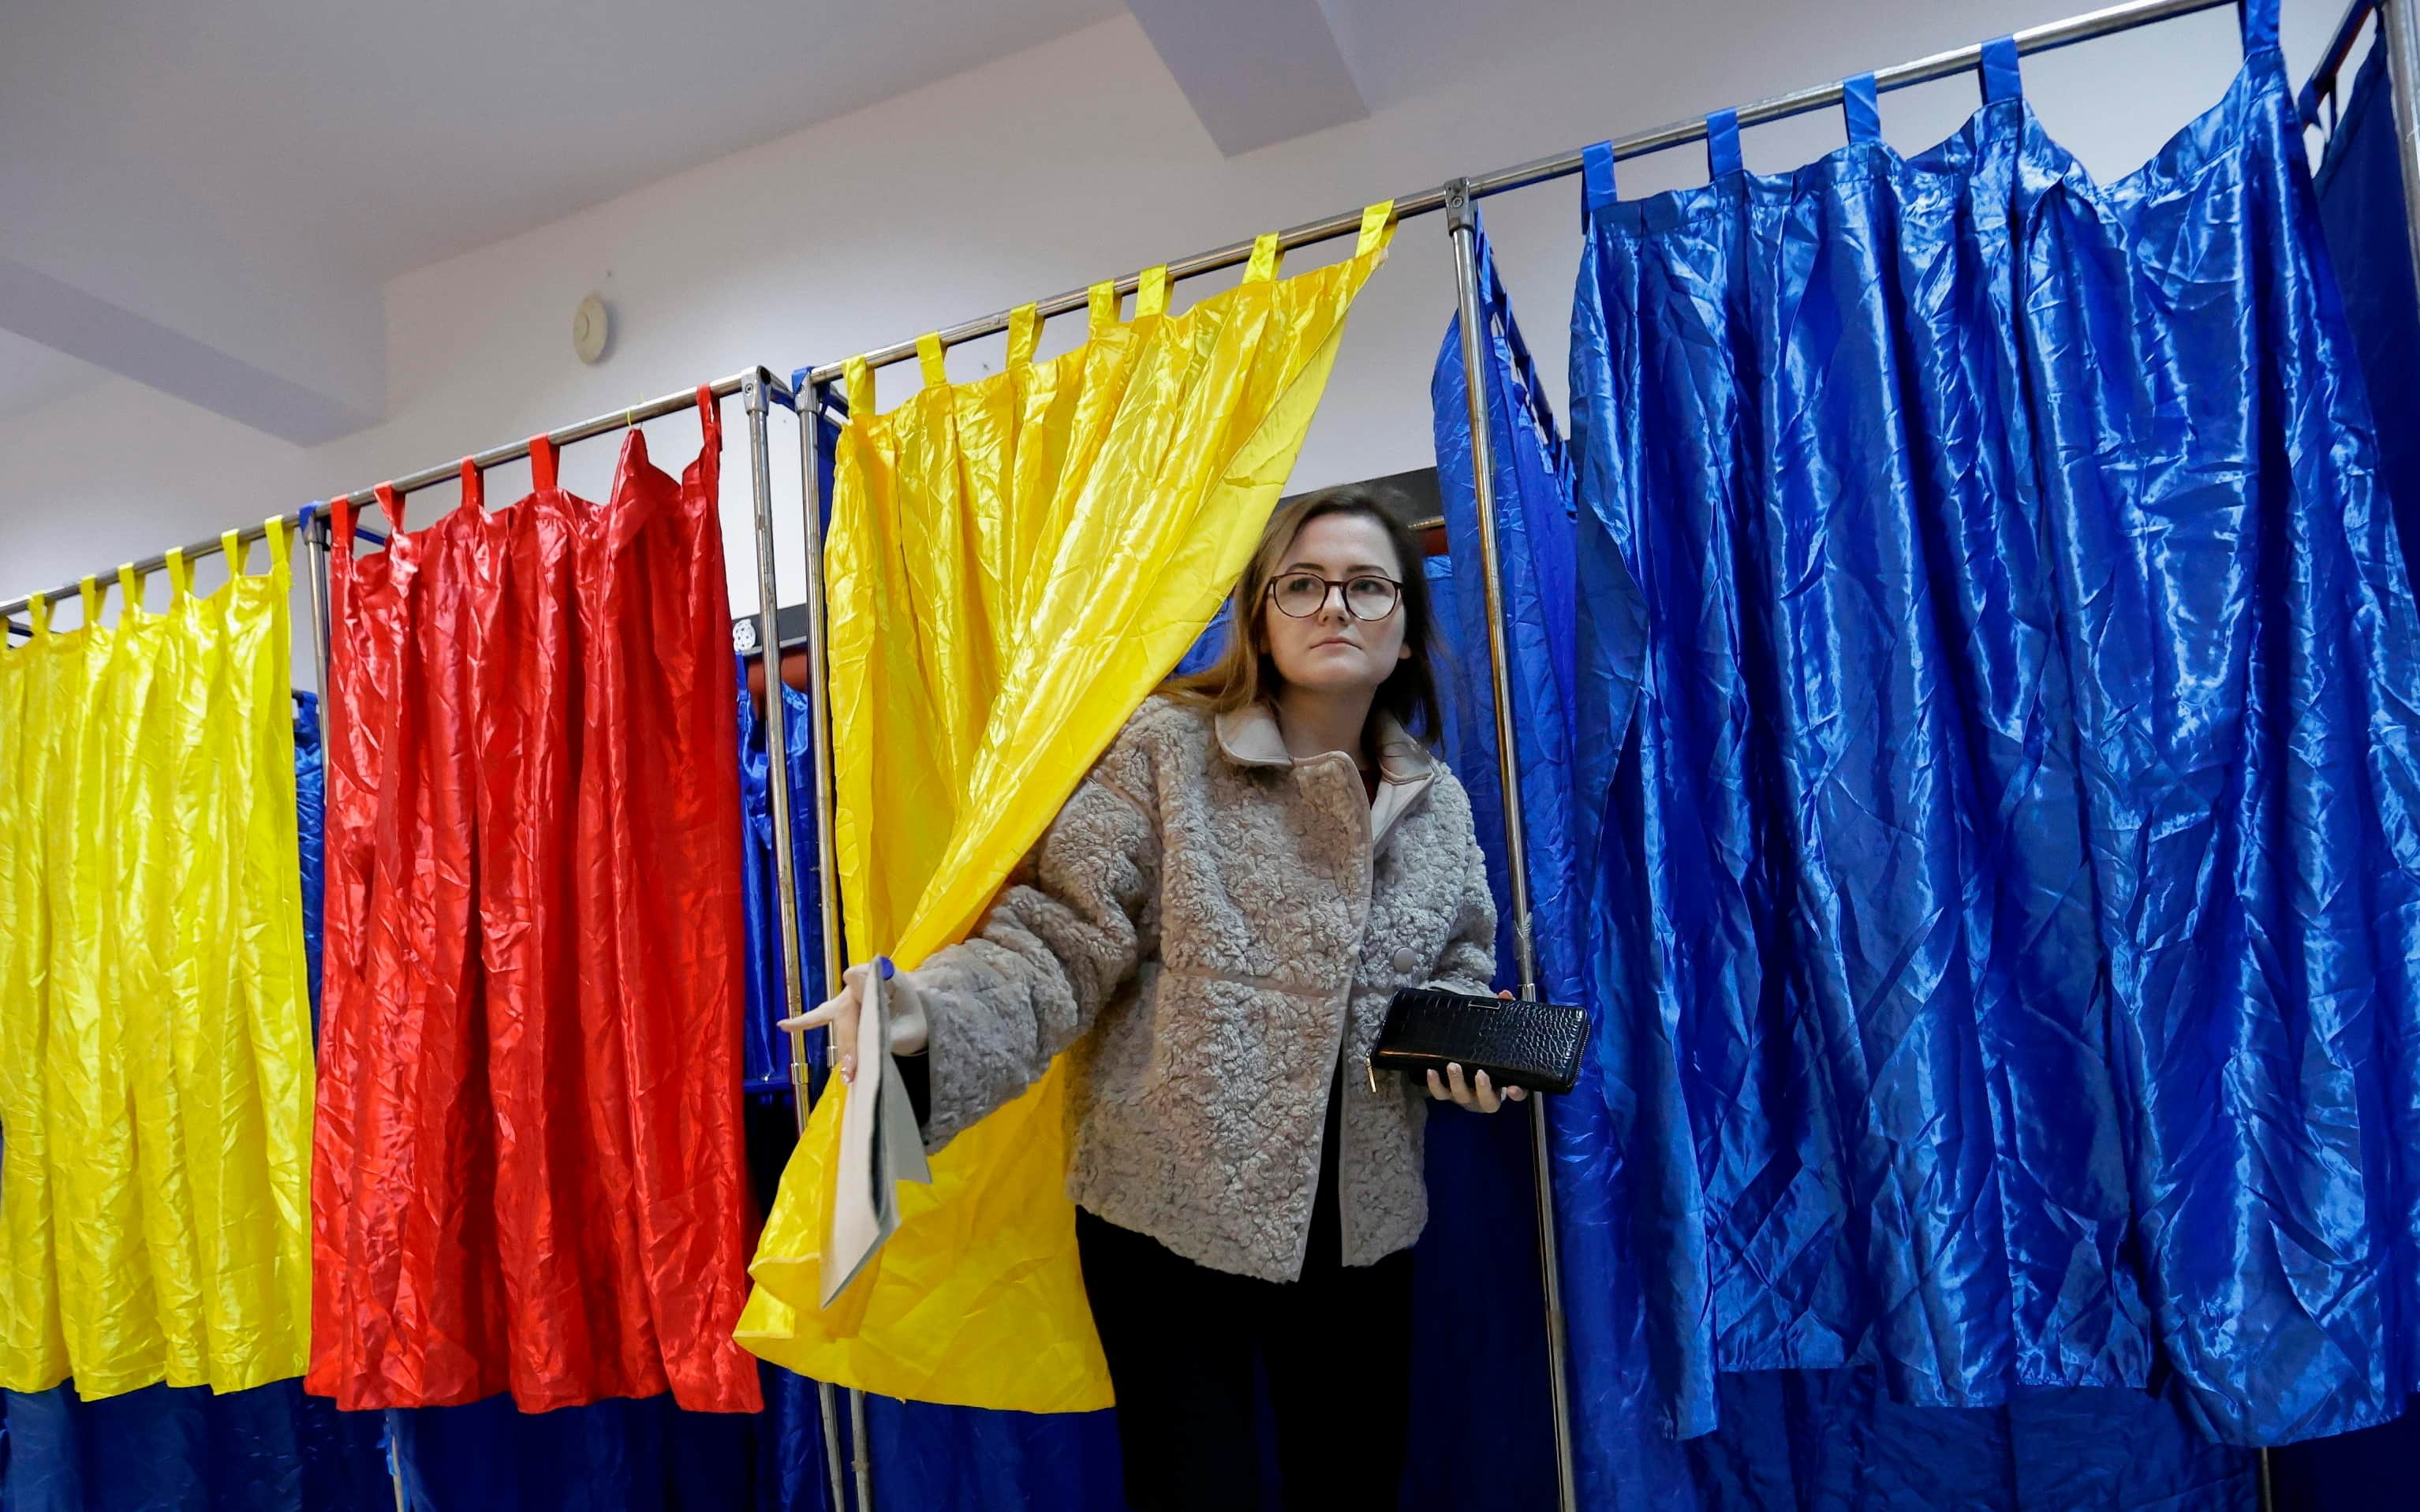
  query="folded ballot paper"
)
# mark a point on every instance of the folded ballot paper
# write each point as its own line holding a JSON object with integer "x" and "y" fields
{"x": 879, "y": 1145}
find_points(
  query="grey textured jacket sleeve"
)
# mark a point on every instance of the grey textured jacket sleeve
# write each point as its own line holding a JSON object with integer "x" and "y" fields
{"x": 1469, "y": 963}
{"x": 1056, "y": 947}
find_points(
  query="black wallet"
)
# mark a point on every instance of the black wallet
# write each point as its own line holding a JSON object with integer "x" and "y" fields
{"x": 1531, "y": 1045}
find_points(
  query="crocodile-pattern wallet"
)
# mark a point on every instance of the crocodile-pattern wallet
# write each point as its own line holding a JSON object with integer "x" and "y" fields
{"x": 1533, "y": 1045}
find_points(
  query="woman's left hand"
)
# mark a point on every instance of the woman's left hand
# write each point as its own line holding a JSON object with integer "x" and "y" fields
{"x": 1477, "y": 1093}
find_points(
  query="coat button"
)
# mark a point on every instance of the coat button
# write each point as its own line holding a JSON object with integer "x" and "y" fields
{"x": 1405, "y": 963}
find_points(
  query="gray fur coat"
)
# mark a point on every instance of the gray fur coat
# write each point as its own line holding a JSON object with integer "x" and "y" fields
{"x": 1205, "y": 926}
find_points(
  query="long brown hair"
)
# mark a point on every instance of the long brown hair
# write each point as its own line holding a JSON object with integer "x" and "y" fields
{"x": 1245, "y": 673}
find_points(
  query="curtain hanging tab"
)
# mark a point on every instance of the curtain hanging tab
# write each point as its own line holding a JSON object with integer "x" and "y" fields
{"x": 2001, "y": 80}
{"x": 1862, "y": 104}
{"x": 1378, "y": 228}
{"x": 929, "y": 357}
{"x": 1024, "y": 334}
{"x": 273, "y": 531}
{"x": 37, "y": 613}
{"x": 542, "y": 470}
{"x": 1596, "y": 171}
{"x": 475, "y": 487}
{"x": 1103, "y": 306}
{"x": 231, "y": 547}
{"x": 130, "y": 588}
{"x": 2260, "y": 25}
{"x": 90, "y": 593}
{"x": 1722, "y": 144}
{"x": 180, "y": 575}
{"x": 1150, "y": 292}
{"x": 856, "y": 384}
{"x": 1264, "y": 266}
{"x": 391, "y": 504}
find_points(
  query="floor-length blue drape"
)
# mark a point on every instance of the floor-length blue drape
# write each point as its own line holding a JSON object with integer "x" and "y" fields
{"x": 1626, "y": 1463}
{"x": 2014, "y": 894}
{"x": 1788, "y": 1440}
{"x": 2359, "y": 186}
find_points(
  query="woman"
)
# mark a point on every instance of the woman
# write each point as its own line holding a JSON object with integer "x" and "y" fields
{"x": 1212, "y": 928}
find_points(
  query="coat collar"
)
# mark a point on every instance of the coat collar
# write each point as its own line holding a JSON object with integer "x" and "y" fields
{"x": 1250, "y": 737}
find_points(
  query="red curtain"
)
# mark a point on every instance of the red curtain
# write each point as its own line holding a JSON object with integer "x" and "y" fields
{"x": 528, "y": 1171}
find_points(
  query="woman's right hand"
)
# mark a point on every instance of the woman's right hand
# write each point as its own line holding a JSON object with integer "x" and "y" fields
{"x": 838, "y": 1013}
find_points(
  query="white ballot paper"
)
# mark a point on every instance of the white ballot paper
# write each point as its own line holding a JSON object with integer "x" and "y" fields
{"x": 880, "y": 1145}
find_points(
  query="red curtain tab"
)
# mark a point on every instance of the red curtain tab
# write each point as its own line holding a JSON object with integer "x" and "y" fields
{"x": 529, "y": 1173}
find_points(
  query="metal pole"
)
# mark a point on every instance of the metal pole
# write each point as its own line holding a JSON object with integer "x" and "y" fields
{"x": 1462, "y": 228}
{"x": 2033, "y": 39}
{"x": 810, "y": 488}
{"x": 443, "y": 473}
{"x": 808, "y": 404}
{"x": 786, "y": 876}
{"x": 316, "y": 574}
{"x": 2398, "y": 26}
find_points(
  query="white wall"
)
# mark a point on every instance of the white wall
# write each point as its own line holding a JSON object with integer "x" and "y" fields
{"x": 1039, "y": 172}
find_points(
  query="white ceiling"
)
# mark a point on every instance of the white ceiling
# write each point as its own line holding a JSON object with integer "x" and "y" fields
{"x": 208, "y": 197}
{"x": 392, "y": 135}
{"x": 32, "y": 374}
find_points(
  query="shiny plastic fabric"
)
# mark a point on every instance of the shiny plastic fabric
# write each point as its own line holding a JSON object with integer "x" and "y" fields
{"x": 1787, "y": 1439}
{"x": 1013, "y": 565}
{"x": 311, "y": 832}
{"x": 530, "y": 1174}
{"x": 2015, "y": 909}
{"x": 155, "y": 1056}
{"x": 764, "y": 1052}
{"x": 185, "y": 1449}
{"x": 644, "y": 1456}
{"x": 2360, "y": 188}
{"x": 1834, "y": 1441}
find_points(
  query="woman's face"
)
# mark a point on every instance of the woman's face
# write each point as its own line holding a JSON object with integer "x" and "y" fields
{"x": 1331, "y": 649}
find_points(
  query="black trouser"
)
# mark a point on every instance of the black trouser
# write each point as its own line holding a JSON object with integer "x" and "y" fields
{"x": 1181, "y": 1341}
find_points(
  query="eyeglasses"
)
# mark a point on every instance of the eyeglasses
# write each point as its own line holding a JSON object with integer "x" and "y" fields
{"x": 1301, "y": 594}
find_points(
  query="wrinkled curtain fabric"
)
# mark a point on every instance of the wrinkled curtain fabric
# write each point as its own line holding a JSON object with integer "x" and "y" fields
{"x": 155, "y": 1051}
{"x": 530, "y": 1174}
{"x": 765, "y": 1052}
{"x": 2359, "y": 186}
{"x": 186, "y": 1449}
{"x": 1013, "y": 565}
{"x": 1786, "y": 1440}
{"x": 2002, "y": 684}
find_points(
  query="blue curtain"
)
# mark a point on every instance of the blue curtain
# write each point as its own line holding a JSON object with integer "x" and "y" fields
{"x": 622, "y": 1455}
{"x": 2361, "y": 205}
{"x": 311, "y": 827}
{"x": 764, "y": 1050}
{"x": 182, "y": 1449}
{"x": 1788, "y": 1440}
{"x": 2359, "y": 186}
{"x": 2001, "y": 693}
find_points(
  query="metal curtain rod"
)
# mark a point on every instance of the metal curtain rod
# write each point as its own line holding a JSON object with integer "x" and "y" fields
{"x": 2044, "y": 39}
{"x": 447, "y": 473}
{"x": 2323, "y": 82}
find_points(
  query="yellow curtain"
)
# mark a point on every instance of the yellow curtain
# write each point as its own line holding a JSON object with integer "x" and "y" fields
{"x": 1013, "y": 565}
{"x": 155, "y": 1028}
